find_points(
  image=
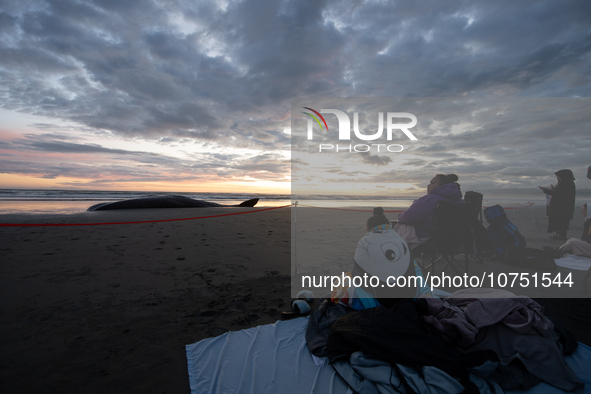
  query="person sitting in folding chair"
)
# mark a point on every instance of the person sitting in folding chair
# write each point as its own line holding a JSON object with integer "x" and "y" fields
{"x": 415, "y": 224}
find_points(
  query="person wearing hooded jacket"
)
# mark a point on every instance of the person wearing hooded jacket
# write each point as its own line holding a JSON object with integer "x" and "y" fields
{"x": 562, "y": 204}
{"x": 416, "y": 222}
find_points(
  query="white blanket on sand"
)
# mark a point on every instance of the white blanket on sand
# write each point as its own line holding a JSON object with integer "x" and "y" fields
{"x": 573, "y": 262}
{"x": 274, "y": 358}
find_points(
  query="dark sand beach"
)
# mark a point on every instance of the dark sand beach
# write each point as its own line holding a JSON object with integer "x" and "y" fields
{"x": 105, "y": 309}
{"x": 109, "y": 309}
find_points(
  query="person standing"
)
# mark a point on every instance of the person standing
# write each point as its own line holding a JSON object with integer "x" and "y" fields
{"x": 562, "y": 204}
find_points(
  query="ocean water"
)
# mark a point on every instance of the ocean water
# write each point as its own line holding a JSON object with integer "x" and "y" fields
{"x": 73, "y": 201}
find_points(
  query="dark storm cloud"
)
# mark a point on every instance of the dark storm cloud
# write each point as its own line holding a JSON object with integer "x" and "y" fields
{"x": 375, "y": 160}
{"x": 454, "y": 48}
{"x": 68, "y": 147}
{"x": 136, "y": 69}
{"x": 223, "y": 74}
{"x": 55, "y": 170}
{"x": 56, "y": 143}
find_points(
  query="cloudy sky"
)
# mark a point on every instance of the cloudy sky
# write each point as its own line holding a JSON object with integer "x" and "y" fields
{"x": 196, "y": 96}
{"x": 491, "y": 143}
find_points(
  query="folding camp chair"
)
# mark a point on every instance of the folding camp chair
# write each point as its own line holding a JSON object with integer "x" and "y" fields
{"x": 451, "y": 234}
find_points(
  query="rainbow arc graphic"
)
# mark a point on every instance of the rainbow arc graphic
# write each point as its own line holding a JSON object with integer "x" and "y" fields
{"x": 315, "y": 118}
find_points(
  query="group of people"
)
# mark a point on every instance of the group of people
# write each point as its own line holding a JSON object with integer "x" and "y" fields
{"x": 416, "y": 223}
{"x": 463, "y": 321}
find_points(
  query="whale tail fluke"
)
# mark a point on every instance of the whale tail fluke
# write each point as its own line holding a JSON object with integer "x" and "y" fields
{"x": 97, "y": 207}
{"x": 249, "y": 203}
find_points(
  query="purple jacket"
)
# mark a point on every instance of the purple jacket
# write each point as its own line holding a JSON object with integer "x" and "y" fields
{"x": 421, "y": 211}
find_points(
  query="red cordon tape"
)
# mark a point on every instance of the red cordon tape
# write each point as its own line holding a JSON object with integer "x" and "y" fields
{"x": 144, "y": 221}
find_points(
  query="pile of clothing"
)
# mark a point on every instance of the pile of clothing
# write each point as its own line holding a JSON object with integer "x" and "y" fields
{"x": 481, "y": 340}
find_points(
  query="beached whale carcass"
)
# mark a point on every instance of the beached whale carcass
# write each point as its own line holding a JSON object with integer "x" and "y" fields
{"x": 169, "y": 201}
